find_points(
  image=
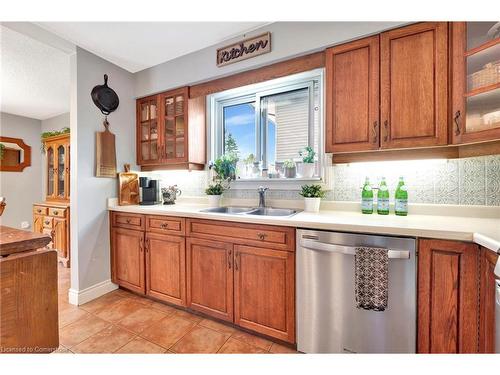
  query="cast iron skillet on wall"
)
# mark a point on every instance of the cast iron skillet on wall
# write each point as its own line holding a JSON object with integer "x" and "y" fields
{"x": 105, "y": 98}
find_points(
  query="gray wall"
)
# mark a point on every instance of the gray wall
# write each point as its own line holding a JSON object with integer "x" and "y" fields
{"x": 22, "y": 189}
{"x": 289, "y": 39}
{"x": 90, "y": 229}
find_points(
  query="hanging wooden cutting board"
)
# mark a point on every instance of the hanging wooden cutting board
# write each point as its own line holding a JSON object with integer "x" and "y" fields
{"x": 128, "y": 187}
{"x": 105, "y": 158}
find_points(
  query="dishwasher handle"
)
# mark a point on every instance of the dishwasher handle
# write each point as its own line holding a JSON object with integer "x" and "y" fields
{"x": 349, "y": 250}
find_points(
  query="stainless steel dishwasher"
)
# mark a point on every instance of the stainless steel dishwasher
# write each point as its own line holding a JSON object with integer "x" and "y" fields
{"x": 327, "y": 318}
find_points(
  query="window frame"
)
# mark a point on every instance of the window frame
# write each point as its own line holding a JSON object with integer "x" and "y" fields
{"x": 254, "y": 93}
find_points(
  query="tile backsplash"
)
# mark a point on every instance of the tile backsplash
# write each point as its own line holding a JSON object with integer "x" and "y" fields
{"x": 468, "y": 181}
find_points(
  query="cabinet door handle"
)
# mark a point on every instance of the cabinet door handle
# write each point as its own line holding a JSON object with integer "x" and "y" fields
{"x": 375, "y": 132}
{"x": 147, "y": 246}
{"x": 141, "y": 245}
{"x": 457, "y": 124}
{"x": 229, "y": 259}
{"x": 386, "y": 131}
{"x": 236, "y": 256}
{"x": 262, "y": 236}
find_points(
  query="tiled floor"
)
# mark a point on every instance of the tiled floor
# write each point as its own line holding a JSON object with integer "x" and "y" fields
{"x": 122, "y": 322}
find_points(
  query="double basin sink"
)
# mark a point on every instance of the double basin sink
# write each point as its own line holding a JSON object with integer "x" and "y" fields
{"x": 259, "y": 211}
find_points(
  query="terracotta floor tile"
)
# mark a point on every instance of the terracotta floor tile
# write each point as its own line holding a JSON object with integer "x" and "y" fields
{"x": 188, "y": 316}
{"x": 252, "y": 340}
{"x": 168, "y": 331}
{"x": 108, "y": 340}
{"x": 139, "y": 320}
{"x": 71, "y": 315}
{"x": 101, "y": 302}
{"x": 163, "y": 307}
{"x": 281, "y": 349}
{"x": 140, "y": 346}
{"x": 233, "y": 346}
{"x": 135, "y": 297}
{"x": 200, "y": 340}
{"x": 80, "y": 330}
{"x": 118, "y": 310}
{"x": 216, "y": 326}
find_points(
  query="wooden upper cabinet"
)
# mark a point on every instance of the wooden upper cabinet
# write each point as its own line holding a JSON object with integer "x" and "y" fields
{"x": 171, "y": 131}
{"x": 475, "y": 112}
{"x": 128, "y": 263}
{"x": 210, "y": 277}
{"x": 166, "y": 268}
{"x": 448, "y": 298}
{"x": 264, "y": 291}
{"x": 352, "y": 96}
{"x": 57, "y": 156}
{"x": 413, "y": 86}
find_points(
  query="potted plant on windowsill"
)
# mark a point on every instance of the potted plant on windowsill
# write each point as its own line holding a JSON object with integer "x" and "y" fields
{"x": 312, "y": 197}
{"x": 222, "y": 173}
{"x": 308, "y": 166}
{"x": 290, "y": 168}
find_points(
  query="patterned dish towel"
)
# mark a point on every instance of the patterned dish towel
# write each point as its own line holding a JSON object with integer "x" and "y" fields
{"x": 371, "y": 278}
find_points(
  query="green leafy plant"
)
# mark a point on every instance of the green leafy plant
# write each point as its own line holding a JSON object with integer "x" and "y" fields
{"x": 312, "y": 191}
{"x": 250, "y": 159}
{"x": 307, "y": 155}
{"x": 225, "y": 166}
{"x": 215, "y": 189}
{"x": 2, "y": 150}
{"x": 53, "y": 133}
{"x": 289, "y": 163}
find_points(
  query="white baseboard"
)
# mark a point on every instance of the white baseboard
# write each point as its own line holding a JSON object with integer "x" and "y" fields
{"x": 79, "y": 297}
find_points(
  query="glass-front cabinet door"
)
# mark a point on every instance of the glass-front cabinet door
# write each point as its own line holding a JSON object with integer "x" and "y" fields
{"x": 50, "y": 172}
{"x": 61, "y": 172}
{"x": 476, "y": 81}
{"x": 148, "y": 135}
{"x": 174, "y": 125}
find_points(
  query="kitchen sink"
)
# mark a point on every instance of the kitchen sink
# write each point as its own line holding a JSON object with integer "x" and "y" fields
{"x": 267, "y": 211}
{"x": 261, "y": 211}
{"x": 227, "y": 210}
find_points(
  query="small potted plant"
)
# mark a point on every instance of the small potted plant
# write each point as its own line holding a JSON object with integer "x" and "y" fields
{"x": 214, "y": 192}
{"x": 290, "y": 168}
{"x": 308, "y": 166}
{"x": 312, "y": 197}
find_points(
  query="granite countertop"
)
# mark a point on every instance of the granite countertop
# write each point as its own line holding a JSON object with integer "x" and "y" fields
{"x": 483, "y": 231}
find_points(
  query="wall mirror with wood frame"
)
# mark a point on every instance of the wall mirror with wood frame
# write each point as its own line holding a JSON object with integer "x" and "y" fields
{"x": 15, "y": 155}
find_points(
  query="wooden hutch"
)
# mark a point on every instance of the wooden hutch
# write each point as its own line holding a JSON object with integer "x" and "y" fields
{"x": 52, "y": 216}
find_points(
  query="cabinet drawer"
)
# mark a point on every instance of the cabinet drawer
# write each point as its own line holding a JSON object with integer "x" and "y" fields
{"x": 48, "y": 222}
{"x": 39, "y": 210}
{"x": 57, "y": 212}
{"x": 130, "y": 221}
{"x": 280, "y": 238}
{"x": 165, "y": 224}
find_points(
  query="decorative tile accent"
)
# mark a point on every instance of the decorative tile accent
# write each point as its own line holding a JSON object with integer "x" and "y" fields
{"x": 470, "y": 181}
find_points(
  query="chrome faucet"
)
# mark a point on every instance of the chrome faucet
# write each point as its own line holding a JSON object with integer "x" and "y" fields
{"x": 262, "y": 196}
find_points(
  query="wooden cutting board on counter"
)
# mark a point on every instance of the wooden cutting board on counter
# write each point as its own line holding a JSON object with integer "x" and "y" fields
{"x": 128, "y": 187}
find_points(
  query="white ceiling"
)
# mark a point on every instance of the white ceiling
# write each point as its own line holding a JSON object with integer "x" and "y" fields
{"x": 34, "y": 77}
{"x": 135, "y": 46}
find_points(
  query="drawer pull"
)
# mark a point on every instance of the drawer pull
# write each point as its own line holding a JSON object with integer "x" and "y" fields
{"x": 38, "y": 210}
{"x": 163, "y": 225}
{"x": 262, "y": 236}
{"x": 56, "y": 212}
{"x": 128, "y": 221}
{"x": 47, "y": 222}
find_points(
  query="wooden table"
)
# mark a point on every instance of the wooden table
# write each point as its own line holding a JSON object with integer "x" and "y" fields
{"x": 28, "y": 293}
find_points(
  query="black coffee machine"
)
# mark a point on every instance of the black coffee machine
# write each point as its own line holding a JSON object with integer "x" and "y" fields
{"x": 150, "y": 191}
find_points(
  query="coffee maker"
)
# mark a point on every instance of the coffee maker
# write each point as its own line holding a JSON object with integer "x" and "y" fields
{"x": 149, "y": 191}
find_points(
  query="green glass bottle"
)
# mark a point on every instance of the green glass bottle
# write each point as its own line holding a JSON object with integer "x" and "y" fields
{"x": 383, "y": 198}
{"x": 367, "y": 198}
{"x": 401, "y": 198}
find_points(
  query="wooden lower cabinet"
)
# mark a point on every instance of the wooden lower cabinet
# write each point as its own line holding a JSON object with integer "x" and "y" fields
{"x": 488, "y": 261}
{"x": 128, "y": 263}
{"x": 166, "y": 268}
{"x": 264, "y": 291}
{"x": 448, "y": 297}
{"x": 210, "y": 277}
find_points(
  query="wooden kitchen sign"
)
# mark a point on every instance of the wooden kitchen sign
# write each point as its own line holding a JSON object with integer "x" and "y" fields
{"x": 245, "y": 49}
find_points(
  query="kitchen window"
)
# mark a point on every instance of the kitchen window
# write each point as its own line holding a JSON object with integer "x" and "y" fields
{"x": 265, "y": 125}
